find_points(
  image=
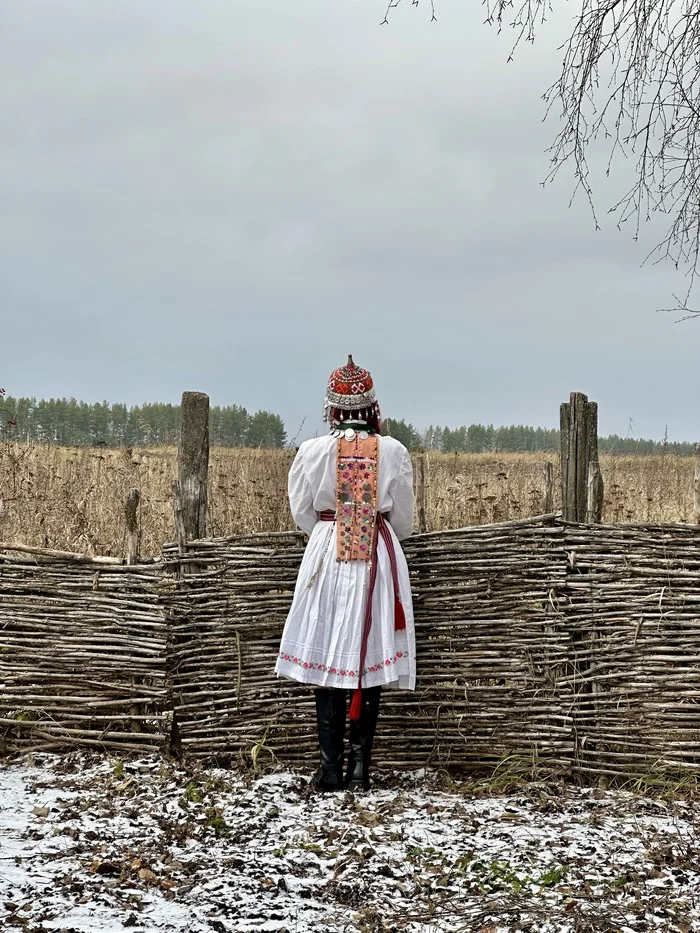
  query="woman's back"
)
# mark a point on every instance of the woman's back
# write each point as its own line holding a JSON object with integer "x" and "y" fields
{"x": 312, "y": 483}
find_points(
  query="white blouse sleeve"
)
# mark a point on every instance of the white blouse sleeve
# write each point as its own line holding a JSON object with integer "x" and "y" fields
{"x": 301, "y": 497}
{"x": 401, "y": 514}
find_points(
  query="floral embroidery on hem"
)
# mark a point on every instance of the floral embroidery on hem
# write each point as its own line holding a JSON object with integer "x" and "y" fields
{"x": 309, "y": 665}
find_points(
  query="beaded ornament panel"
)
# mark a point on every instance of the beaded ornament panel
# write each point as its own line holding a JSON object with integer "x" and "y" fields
{"x": 356, "y": 496}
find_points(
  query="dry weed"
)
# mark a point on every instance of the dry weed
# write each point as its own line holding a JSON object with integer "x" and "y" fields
{"x": 72, "y": 498}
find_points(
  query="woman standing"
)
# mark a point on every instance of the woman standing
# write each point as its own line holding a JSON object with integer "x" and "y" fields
{"x": 350, "y": 627}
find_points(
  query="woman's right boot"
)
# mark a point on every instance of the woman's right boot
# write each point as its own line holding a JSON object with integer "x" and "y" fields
{"x": 330, "y": 721}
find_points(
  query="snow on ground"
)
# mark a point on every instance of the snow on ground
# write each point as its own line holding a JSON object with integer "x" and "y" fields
{"x": 95, "y": 844}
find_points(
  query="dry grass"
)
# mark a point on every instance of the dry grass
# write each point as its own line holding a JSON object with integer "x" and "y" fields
{"x": 73, "y": 498}
{"x": 470, "y": 489}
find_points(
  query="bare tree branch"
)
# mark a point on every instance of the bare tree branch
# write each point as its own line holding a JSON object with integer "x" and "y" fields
{"x": 630, "y": 77}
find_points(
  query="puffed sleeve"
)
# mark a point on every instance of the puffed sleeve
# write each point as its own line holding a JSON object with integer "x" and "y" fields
{"x": 300, "y": 496}
{"x": 401, "y": 514}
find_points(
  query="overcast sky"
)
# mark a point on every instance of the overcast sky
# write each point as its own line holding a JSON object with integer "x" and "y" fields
{"x": 231, "y": 195}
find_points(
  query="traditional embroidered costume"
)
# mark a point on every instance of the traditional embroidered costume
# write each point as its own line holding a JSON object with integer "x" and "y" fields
{"x": 350, "y": 627}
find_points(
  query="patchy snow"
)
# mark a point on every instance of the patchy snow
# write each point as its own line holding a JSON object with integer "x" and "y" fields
{"x": 94, "y": 844}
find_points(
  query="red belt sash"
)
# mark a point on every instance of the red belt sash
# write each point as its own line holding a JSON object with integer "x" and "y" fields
{"x": 381, "y": 528}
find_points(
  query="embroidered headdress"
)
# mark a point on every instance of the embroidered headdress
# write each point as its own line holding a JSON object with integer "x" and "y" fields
{"x": 350, "y": 392}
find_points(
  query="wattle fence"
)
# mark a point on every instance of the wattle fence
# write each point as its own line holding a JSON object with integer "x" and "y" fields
{"x": 543, "y": 647}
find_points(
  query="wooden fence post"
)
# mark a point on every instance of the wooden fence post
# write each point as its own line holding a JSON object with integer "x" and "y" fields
{"x": 131, "y": 514}
{"x": 548, "y": 497}
{"x": 421, "y": 494}
{"x": 696, "y": 485}
{"x": 594, "y": 496}
{"x": 190, "y": 513}
{"x": 581, "y": 481}
{"x": 190, "y": 488}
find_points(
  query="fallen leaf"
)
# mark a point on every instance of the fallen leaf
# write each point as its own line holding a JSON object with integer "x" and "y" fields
{"x": 106, "y": 868}
{"x": 368, "y": 818}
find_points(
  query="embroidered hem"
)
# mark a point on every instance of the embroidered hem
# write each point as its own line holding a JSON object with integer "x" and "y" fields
{"x": 310, "y": 666}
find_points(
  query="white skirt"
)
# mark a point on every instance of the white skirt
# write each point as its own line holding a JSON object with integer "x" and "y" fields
{"x": 322, "y": 635}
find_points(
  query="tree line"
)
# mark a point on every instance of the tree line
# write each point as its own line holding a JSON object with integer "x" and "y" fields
{"x": 71, "y": 423}
{"x": 486, "y": 438}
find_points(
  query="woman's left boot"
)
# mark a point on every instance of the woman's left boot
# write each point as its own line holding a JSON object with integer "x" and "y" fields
{"x": 361, "y": 740}
{"x": 330, "y": 721}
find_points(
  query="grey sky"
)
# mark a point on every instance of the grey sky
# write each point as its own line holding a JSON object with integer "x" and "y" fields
{"x": 231, "y": 195}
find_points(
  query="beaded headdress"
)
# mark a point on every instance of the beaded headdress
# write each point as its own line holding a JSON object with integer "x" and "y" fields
{"x": 351, "y": 389}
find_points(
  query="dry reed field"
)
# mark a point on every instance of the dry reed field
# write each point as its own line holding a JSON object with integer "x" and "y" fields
{"x": 72, "y": 498}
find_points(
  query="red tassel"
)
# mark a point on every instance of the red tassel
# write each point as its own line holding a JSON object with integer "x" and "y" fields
{"x": 356, "y": 705}
{"x": 399, "y": 616}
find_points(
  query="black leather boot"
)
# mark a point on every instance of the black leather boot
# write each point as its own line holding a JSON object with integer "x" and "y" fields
{"x": 361, "y": 738}
{"x": 330, "y": 721}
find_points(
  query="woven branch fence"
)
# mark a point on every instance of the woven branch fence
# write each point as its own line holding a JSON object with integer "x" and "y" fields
{"x": 542, "y": 646}
{"x": 82, "y": 652}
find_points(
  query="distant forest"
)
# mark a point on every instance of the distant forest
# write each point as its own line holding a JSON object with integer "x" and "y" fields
{"x": 70, "y": 423}
{"x": 486, "y": 438}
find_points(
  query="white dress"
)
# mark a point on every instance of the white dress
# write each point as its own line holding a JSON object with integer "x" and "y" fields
{"x": 321, "y": 639}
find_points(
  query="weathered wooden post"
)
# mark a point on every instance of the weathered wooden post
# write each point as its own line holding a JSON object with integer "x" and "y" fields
{"x": 548, "y": 494}
{"x": 582, "y": 501}
{"x": 421, "y": 494}
{"x": 594, "y": 498}
{"x": 131, "y": 514}
{"x": 581, "y": 480}
{"x": 190, "y": 512}
{"x": 190, "y": 488}
{"x": 696, "y": 486}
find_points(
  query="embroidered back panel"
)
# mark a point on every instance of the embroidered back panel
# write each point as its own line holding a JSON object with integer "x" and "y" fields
{"x": 357, "y": 463}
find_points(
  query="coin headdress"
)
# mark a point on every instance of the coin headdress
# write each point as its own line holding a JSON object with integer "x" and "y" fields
{"x": 350, "y": 395}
